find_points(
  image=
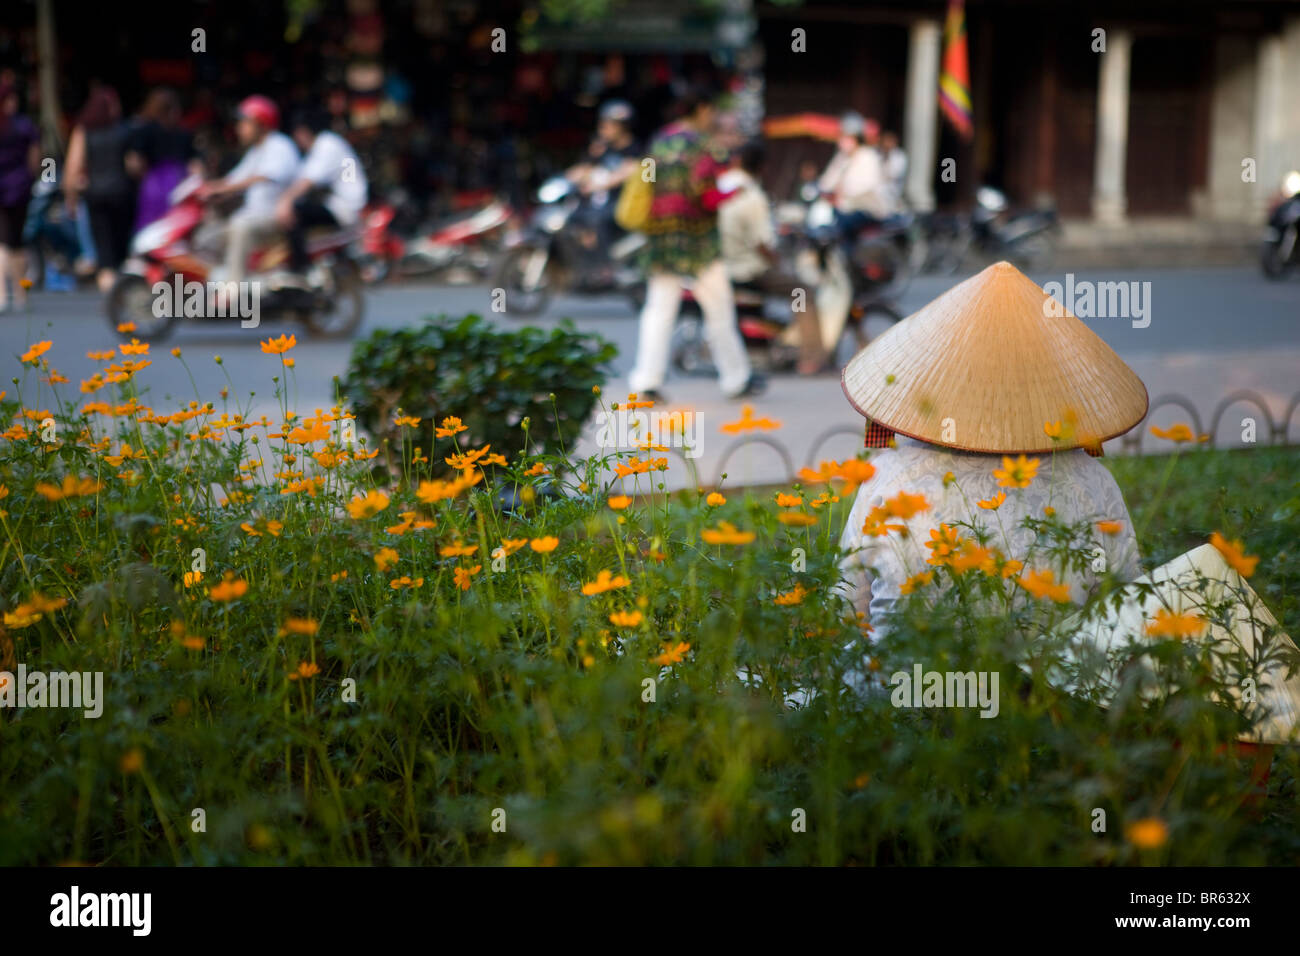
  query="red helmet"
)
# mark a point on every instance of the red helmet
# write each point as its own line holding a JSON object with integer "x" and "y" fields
{"x": 261, "y": 110}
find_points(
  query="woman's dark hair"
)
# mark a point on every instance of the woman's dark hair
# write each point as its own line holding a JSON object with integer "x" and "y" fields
{"x": 312, "y": 118}
{"x": 102, "y": 108}
{"x": 162, "y": 106}
{"x": 752, "y": 155}
{"x": 692, "y": 98}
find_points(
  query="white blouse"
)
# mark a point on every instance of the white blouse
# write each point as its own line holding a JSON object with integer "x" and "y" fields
{"x": 1073, "y": 483}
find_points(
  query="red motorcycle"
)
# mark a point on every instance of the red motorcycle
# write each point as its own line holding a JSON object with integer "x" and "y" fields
{"x": 468, "y": 240}
{"x": 165, "y": 279}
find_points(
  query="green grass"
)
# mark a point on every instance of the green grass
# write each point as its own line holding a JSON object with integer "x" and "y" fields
{"x": 1254, "y": 492}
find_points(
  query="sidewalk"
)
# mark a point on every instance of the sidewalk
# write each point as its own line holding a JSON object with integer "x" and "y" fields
{"x": 817, "y": 422}
{"x": 1158, "y": 242}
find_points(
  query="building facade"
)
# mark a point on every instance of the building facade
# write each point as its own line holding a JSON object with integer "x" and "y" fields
{"x": 1148, "y": 108}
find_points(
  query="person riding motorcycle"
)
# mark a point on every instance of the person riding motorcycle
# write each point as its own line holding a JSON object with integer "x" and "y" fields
{"x": 267, "y": 168}
{"x": 612, "y": 157}
{"x": 855, "y": 177}
{"x": 748, "y": 238}
{"x": 329, "y": 189}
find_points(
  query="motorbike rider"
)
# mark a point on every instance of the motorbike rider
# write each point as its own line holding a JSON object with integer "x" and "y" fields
{"x": 265, "y": 171}
{"x": 748, "y": 237}
{"x": 329, "y": 189}
{"x": 612, "y": 157}
{"x": 855, "y": 177}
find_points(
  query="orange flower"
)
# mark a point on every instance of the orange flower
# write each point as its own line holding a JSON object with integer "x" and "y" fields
{"x": 625, "y": 618}
{"x": 1168, "y": 624}
{"x": 994, "y": 503}
{"x": 229, "y": 589}
{"x": 536, "y": 469}
{"x": 904, "y": 506}
{"x": 788, "y": 501}
{"x": 305, "y": 670}
{"x": 1016, "y": 473}
{"x": 132, "y": 761}
{"x": 604, "y": 582}
{"x": 796, "y": 518}
{"x": 748, "y": 423}
{"x": 943, "y": 544}
{"x": 1180, "y": 432}
{"x": 135, "y": 347}
{"x": 916, "y": 581}
{"x": 792, "y": 597}
{"x": 365, "y": 506}
{"x": 36, "y": 351}
{"x": 714, "y": 499}
{"x": 619, "y": 502}
{"x": 407, "y": 420}
{"x": 726, "y": 533}
{"x": 406, "y": 582}
{"x": 1147, "y": 834}
{"x": 544, "y": 545}
{"x": 72, "y": 487}
{"x": 385, "y": 558}
{"x": 1235, "y": 554}
{"x": 451, "y": 425}
{"x": 1110, "y": 527}
{"x": 458, "y": 549}
{"x": 300, "y": 625}
{"x": 465, "y": 576}
{"x": 279, "y": 345}
{"x": 509, "y": 546}
{"x": 1042, "y": 584}
{"x": 877, "y": 524}
{"x": 672, "y": 655}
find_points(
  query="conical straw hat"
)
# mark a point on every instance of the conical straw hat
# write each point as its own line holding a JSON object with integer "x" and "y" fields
{"x": 988, "y": 364}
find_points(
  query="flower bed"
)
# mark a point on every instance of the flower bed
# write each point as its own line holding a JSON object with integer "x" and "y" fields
{"x": 307, "y": 658}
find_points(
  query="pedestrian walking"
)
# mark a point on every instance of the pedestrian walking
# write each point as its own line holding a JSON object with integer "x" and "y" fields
{"x": 19, "y": 158}
{"x": 683, "y": 241}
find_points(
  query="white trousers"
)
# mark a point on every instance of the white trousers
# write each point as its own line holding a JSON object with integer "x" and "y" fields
{"x": 663, "y": 301}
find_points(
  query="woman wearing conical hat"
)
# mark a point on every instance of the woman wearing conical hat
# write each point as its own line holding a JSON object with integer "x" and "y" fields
{"x": 989, "y": 406}
{"x": 993, "y": 394}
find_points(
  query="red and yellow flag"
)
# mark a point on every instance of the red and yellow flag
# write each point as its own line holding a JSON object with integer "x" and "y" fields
{"x": 954, "y": 77}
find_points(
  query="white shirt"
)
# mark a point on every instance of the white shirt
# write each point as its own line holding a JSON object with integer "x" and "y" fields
{"x": 276, "y": 159}
{"x": 1076, "y": 485}
{"x": 857, "y": 180}
{"x": 744, "y": 226}
{"x": 332, "y": 163}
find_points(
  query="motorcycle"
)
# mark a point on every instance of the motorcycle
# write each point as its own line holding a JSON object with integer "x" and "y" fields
{"x": 1026, "y": 238}
{"x": 468, "y": 240}
{"x": 1281, "y": 249}
{"x": 852, "y": 296}
{"x": 329, "y": 304}
{"x": 555, "y": 255}
{"x": 770, "y": 336}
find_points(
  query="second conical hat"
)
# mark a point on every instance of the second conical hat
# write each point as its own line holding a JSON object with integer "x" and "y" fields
{"x": 988, "y": 364}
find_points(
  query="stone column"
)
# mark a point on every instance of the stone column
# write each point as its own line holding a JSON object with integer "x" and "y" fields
{"x": 1108, "y": 198}
{"x": 921, "y": 113}
{"x": 1269, "y": 115}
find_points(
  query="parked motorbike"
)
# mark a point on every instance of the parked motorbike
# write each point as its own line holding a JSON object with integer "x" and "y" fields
{"x": 469, "y": 240}
{"x": 554, "y": 254}
{"x": 330, "y": 304}
{"x": 1281, "y": 249}
{"x": 992, "y": 231}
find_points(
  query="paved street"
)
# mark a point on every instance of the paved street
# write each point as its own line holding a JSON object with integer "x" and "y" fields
{"x": 1211, "y": 332}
